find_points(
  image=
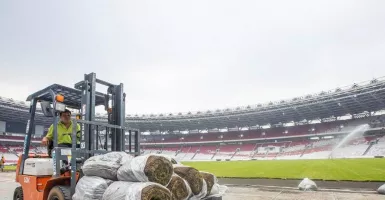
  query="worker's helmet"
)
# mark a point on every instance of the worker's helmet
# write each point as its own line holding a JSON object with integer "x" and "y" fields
{"x": 65, "y": 111}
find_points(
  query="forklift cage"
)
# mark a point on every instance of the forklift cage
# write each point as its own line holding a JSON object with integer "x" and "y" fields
{"x": 84, "y": 98}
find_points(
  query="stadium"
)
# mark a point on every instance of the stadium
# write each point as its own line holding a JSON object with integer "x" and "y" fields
{"x": 188, "y": 100}
{"x": 329, "y": 136}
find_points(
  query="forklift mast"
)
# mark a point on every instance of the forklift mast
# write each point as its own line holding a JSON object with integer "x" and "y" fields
{"x": 116, "y": 113}
{"x": 84, "y": 98}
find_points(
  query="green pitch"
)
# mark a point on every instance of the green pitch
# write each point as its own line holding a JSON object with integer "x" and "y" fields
{"x": 10, "y": 168}
{"x": 336, "y": 169}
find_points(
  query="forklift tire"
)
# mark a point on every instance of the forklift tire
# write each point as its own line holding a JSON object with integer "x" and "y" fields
{"x": 18, "y": 194}
{"x": 60, "y": 193}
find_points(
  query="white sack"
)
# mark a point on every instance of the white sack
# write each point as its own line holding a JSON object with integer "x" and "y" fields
{"x": 217, "y": 191}
{"x": 307, "y": 184}
{"x": 90, "y": 188}
{"x": 381, "y": 190}
{"x": 116, "y": 191}
{"x": 106, "y": 165}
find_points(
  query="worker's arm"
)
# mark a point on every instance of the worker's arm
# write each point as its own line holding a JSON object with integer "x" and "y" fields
{"x": 48, "y": 137}
{"x": 50, "y": 133}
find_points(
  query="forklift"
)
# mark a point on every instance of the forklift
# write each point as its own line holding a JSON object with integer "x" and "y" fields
{"x": 54, "y": 176}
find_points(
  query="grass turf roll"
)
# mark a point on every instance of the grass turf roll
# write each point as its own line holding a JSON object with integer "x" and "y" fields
{"x": 210, "y": 180}
{"x": 121, "y": 190}
{"x": 147, "y": 168}
{"x": 179, "y": 188}
{"x": 155, "y": 192}
{"x": 158, "y": 169}
{"x": 192, "y": 176}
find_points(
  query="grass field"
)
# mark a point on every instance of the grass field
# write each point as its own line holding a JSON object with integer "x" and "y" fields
{"x": 336, "y": 169}
{"x": 10, "y": 168}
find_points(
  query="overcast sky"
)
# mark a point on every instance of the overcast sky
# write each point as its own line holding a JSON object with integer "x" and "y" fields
{"x": 176, "y": 55}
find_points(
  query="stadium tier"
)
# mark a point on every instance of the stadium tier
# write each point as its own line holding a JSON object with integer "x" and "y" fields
{"x": 300, "y": 128}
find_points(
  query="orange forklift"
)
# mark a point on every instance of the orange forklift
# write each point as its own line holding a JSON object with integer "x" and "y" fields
{"x": 54, "y": 176}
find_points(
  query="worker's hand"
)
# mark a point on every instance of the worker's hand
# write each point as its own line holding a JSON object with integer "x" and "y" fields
{"x": 44, "y": 141}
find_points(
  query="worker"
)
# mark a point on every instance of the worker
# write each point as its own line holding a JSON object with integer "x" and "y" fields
{"x": 2, "y": 163}
{"x": 64, "y": 131}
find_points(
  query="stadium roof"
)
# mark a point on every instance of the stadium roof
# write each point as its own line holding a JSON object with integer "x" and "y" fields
{"x": 358, "y": 98}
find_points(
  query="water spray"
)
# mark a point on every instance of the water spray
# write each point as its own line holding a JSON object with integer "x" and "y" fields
{"x": 359, "y": 131}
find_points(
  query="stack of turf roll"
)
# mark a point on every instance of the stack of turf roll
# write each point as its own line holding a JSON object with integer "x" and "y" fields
{"x": 127, "y": 177}
{"x": 117, "y": 175}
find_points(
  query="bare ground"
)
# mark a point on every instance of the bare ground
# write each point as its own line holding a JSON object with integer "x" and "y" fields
{"x": 255, "y": 193}
{"x": 352, "y": 185}
{"x": 260, "y": 189}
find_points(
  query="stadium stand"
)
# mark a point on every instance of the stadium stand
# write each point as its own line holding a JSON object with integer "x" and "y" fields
{"x": 378, "y": 148}
{"x": 300, "y": 147}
